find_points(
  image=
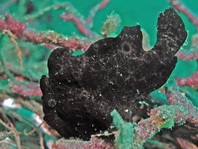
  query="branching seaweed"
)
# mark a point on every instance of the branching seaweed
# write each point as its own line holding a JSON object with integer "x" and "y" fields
{"x": 25, "y": 27}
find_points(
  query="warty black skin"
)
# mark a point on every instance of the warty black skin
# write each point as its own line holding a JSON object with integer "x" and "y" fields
{"x": 114, "y": 73}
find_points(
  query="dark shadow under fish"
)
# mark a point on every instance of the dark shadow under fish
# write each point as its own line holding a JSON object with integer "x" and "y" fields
{"x": 114, "y": 73}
